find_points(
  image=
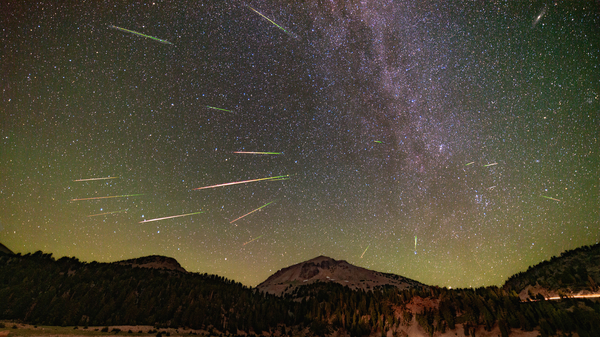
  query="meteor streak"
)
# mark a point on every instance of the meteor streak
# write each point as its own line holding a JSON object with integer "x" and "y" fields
{"x": 212, "y": 107}
{"x": 258, "y": 209}
{"x": 249, "y": 152}
{"x": 363, "y": 254}
{"x": 93, "y": 179}
{"x": 378, "y": 141}
{"x": 415, "y": 244}
{"x": 271, "y": 21}
{"x": 253, "y": 240}
{"x": 107, "y": 213}
{"x": 110, "y": 197}
{"x": 140, "y": 34}
{"x": 492, "y": 164}
{"x": 170, "y": 217}
{"x": 543, "y": 196}
{"x": 241, "y": 182}
{"x": 470, "y": 163}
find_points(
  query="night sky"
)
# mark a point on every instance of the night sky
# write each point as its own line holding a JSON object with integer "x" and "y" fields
{"x": 470, "y": 128}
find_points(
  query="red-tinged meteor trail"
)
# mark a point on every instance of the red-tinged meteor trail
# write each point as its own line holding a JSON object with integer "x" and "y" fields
{"x": 258, "y": 209}
{"x": 109, "y": 197}
{"x": 170, "y": 217}
{"x": 93, "y": 179}
{"x": 240, "y": 182}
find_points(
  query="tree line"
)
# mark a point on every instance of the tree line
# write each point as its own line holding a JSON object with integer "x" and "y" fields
{"x": 38, "y": 289}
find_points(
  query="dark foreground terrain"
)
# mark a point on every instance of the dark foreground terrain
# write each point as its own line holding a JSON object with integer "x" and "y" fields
{"x": 39, "y": 290}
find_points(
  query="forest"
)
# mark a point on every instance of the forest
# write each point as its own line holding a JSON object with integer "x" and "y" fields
{"x": 37, "y": 289}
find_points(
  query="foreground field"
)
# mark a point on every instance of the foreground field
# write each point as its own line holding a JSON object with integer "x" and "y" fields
{"x": 26, "y": 330}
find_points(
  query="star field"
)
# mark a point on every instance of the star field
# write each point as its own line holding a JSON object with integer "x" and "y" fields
{"x": 471, "y": 126}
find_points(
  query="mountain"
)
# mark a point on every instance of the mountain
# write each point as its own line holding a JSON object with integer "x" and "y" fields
{"x": 326, "y": 269}
{"x": 5, "y": 250}
{"x": 155, "y": 262}
{"x": 575, "y": 272}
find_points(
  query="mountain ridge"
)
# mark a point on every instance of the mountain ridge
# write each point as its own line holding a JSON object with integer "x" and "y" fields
{"x": 5, "y": 249}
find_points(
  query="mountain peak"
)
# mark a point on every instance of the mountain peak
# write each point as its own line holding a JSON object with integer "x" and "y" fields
{"x": 5, "y": 250}
{"x": 326, "y": 269}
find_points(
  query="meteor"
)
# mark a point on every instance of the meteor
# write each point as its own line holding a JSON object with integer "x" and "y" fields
{"x": 470, "y": 163}
{"x": 241, "y": 182}
{"x": 492, "y": 164}
{"x": 258, "y": 209}
{"x": 415, "y": 244}
{"x": 170, "y": 217}
{"x": 93, "y": 179}
{"x": 543, "y": 196}
{"x": 107, "y": 213}
{"x": 253, "y": 240}
{"x": 363, "y": 254}
{"x": 140, "y": 34}
{"x": 273, "y": 22}
{"x": 249, "y": 152}
{"x": 212, "y": 107}
{"x": 110, "y": 197}
{"x": 378, "y": 141}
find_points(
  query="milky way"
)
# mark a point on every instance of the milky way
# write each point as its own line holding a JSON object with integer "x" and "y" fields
{"x": 452, "y": 143}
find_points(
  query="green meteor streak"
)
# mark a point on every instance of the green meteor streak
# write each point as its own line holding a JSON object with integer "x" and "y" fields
{"x": 271, "y": 21}
{"x": 251, "y": 152}
{"x": 415, "y": 244}
{"x": 212, "y": 107}
{"x": 140, "y": 34}
{"x": 363, "y": 254}
{"x": 253, "y": 240}
{"x": 543, "y": 196}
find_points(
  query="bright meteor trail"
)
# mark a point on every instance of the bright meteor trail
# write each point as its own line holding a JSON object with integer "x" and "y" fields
{"x": 171, "y": 217}
{"x": 271, "y": 21}
{"x": 415, "y": 244}
{"x": 543, "y": 196}
{"x": 240, "y": 182}
{"x": 492, "y": 164}
{"x": 249, "y": 152}
{"x": 258, "y": 209}
{"x": 252, "y": 240}
{"x": 93, "y": 179}
{"x": 110, "y": 197}
{"x": 140, "y": 34}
